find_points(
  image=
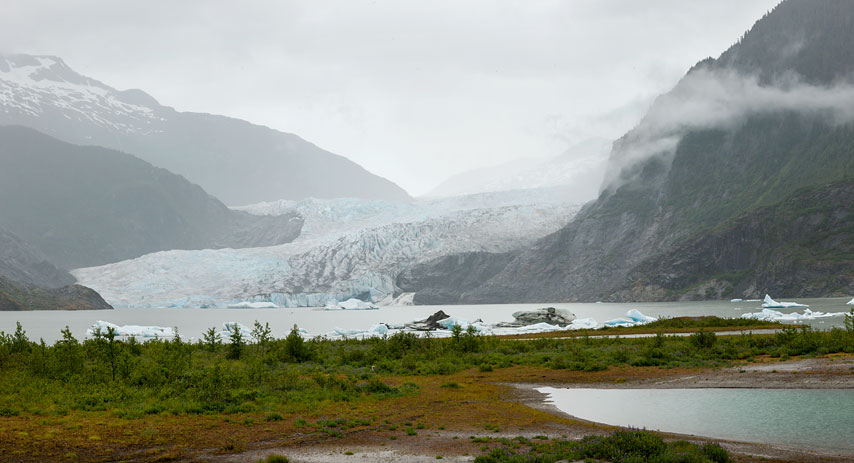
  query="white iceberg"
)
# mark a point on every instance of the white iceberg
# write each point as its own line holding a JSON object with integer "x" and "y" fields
{"x": 776, "y": 316}
{"x": 851, "y": 302}
{"x": 253, "y": 305}
{"x": 449, "y": 322}
{"x": 583, "y": 324}
{"x": 736, "y": 300}
{"x": 230, "y": 327}
{"x": 131, "y": 330}
{"x": 633, "y": 318}
{"x": 772, "y": 304}
{"x": 351, "y": 304}
{"x": 375, "y": 330}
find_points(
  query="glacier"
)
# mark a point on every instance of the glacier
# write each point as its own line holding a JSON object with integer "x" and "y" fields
{"x": 349, "y": 249}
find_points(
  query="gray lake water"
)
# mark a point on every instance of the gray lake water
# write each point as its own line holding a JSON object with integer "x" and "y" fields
{"x": 808, "y": 418}
{"x": 192, "y": 322}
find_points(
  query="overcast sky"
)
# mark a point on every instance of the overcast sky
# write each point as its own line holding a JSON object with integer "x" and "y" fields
{"x": 413, "y": 90}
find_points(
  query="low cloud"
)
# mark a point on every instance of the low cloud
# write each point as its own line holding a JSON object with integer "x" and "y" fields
{"x": 720, "y": 99}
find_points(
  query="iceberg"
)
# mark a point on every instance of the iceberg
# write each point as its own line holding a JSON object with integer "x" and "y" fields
{"x": 449, "y": 322}
{"x": 253, "y": 305}
{"x": 772, "y": 304}
{"x": 351, "y": 304}
{"x": 633, "y": 318}
{"x": 583, "y": 324}
{"x": 776, "y": 316}
{"x": 375, "y": 330}
{"x": 230, "y": 327}
{"x": 131, "y": 330}
{"x": 851, "y": 302}
{"x": 736, "y": 300}
{"x": 548, "y": 315}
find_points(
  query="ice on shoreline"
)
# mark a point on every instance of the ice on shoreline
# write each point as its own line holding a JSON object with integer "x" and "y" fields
{"x": 633, "y": 318}
{"x": 776, "y": 316}
{"x": 131, "y": 330}
{"x": 772, "y": 304}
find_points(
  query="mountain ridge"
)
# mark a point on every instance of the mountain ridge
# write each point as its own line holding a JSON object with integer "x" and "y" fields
{"x": 728, "y": 139}
{"x": 231, "y": 158}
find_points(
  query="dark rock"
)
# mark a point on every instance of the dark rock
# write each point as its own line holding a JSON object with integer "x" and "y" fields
{"x": 430, "y": 323}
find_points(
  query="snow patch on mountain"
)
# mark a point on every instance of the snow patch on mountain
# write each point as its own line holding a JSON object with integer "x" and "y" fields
{"x": 35, "y": 85}
{"x": 350, "y": 249}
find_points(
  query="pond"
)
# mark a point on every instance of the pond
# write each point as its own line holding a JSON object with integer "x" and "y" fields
{"x": 818, "y": 419}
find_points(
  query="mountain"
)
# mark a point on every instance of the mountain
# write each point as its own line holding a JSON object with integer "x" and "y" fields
{"x": 238, "y": 162}
{"x": 349, "y": 248}
{"x": 22, "y": 263}
{"x": 82, "y": 205}
{"x": 721, "y": 190}
{"x": 28, "y": 281}
{"x": 579, "y": 170}
{"x": 19, "y": 296}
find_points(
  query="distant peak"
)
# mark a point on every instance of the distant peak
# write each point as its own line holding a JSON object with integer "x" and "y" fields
{"x": 43, "y": 68}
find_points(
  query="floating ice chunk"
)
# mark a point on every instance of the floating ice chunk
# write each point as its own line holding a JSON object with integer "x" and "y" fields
{"x": 253, "y": 305}
{"x": 539, "y": 328}
{"x": 638, "y": 317}
{"x": 776, "y": 316}
{"x": 449, "y": 322}
{"x": 351, "y": 304}
{"x": 736, "y": 300}
{"x": 131, "y": 330}
{"x": 633, "y": 317}
{"x": 380, "y": 328}
{"x": 548, "y": 315}
{"x": 772, "y": 304}
{"x": 620, "y": 322}
{"x": 851, "y": 302}
{"x": 343, "y": 332}
{"x": 583, "y": 324}
{"x": 230, "y": 327}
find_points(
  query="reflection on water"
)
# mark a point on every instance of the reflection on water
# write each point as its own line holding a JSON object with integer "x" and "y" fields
{"x": 192, "y": 322}
{"x": 806, "y": 418}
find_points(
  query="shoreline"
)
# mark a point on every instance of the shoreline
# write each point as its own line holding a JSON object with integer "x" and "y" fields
{"x": 455, "y": 445}
{"x": 821, "y": 373}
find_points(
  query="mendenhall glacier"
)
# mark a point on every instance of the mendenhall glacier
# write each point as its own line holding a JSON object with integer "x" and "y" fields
{"x": 348, "y": 249}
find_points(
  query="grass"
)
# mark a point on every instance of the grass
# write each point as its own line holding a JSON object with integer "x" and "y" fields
{"x": 622, "y": 446}
{"x": 181, "y": 398}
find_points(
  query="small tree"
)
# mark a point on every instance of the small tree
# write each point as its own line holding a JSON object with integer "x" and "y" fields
{"x": 20, "y": 342}
{"x": 111, "y": 348}
{"x": 212, "y": 340}
{"x": 849, "y": 321}
{"x": 69, "y": 352}
{"x": 295, "y": 346}
{"x": 236, "y": 343}
{"x": 262, "y": 336}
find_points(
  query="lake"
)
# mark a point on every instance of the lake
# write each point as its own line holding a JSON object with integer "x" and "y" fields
{"x": 804, "y": 418}
{"x": 191, "y": 322}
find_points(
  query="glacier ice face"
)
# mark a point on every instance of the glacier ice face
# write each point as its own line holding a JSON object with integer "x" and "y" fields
{"x": 351, "y": 248}
{"x": 351, "y": 304}
{"x": 253, "y": 305}
{"x": 772, "y": 304}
